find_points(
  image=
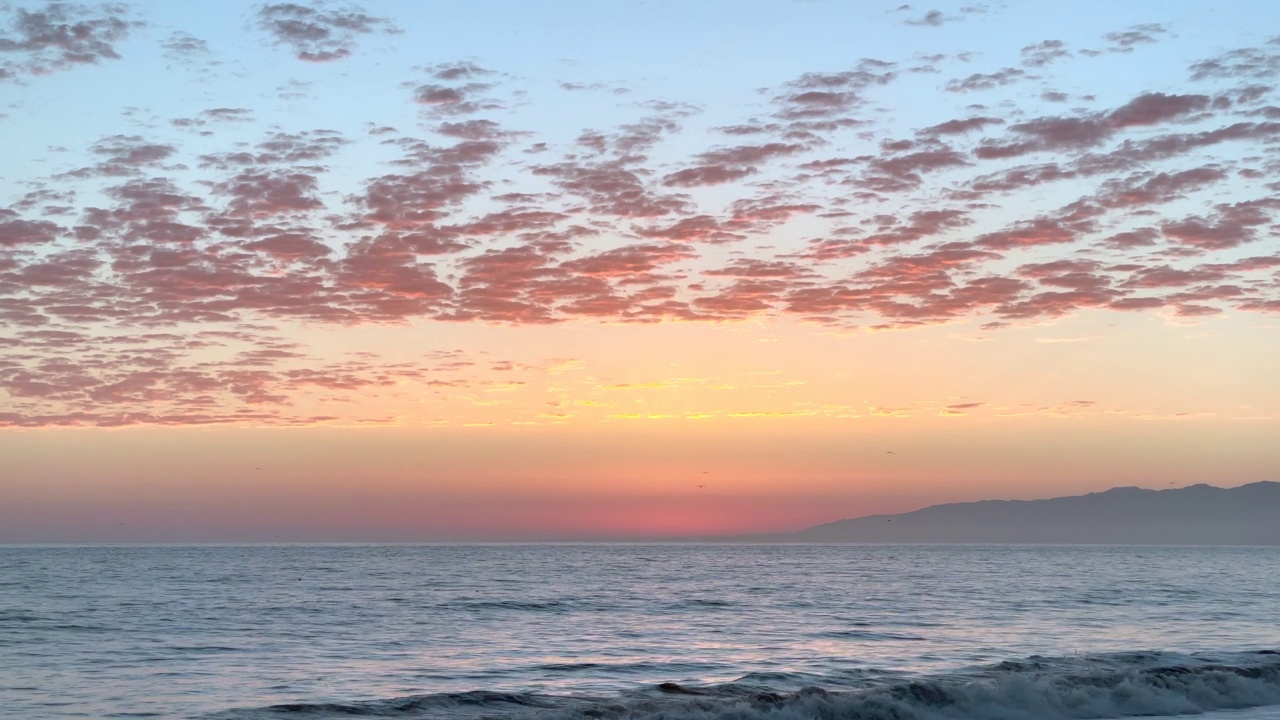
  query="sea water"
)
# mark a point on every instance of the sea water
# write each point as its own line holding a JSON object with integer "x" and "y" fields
{"x": 639, "y": 631}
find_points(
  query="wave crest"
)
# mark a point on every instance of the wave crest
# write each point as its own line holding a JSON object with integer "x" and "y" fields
{"x": 1038, "y": 688}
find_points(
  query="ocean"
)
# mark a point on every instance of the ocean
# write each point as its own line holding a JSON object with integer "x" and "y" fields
{"x": 639, "y": 631}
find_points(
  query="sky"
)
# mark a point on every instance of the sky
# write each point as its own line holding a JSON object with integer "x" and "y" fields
{"x": 457, "y": 271}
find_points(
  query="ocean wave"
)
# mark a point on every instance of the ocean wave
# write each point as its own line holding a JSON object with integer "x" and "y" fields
{"x": 866, "y": 635}
{"x": 424, "y": 706}
{"x": 1037, "y": 688}
{"x": 647, "y": 669}
{"x": 481, "y": 605}
{"x": 700, "y": 604}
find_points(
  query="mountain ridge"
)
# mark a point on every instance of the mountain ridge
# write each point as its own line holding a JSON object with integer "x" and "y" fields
{"x": 1199, "y": 514}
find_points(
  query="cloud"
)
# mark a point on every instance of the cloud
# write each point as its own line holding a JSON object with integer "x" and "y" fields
{"x": 1165, "y": 276}
{"x": 453, "y": 100}
{"x": 415, "y": 246}
{"x": 1038, "y": 231}
{"x": 699, "y": 228}
{"x": 630, "y": 260}
{"x": 305, "y": 148}
{"x": 1125, "y": 40}
{"x": 1053, "y": 133}
{"x": 612, "y": 188}
{"x": 458, "y": 71}
{"x": 1155, "y": 108}
{"x": 1241, "y": 63}
{"x": 1147, "y": 188}
{"x": 213, "y": 115}
{"x": 730, "y": 164}
{"x": 762, "y": 269}
{"x": 707, "y": 175}
{"x": 961, "y": 126}
{"x": 317, "y": 33}
{"x": 61, "y": 36}
{"x": 181, "y": 45}
{"x": 15, "y": 232}
{"x": 1089, "y": 130}
{"x": 813, "y": 198}
{"x": 931, "y": 18}
{"x": 813, "y": 100}
{"x": 1044, "y": 53}
{"x": 264, "y": 194}
{"x": 1230, "y": 226}
{"x": 71, "y": 378}
{"x": 290, "y": 246}
{"x": 1144, "y": 237}
{"x": 986, "y": 81}
{"x": 896, "y": 172}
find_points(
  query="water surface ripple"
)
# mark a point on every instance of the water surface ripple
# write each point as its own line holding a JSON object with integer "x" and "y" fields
{"x": 573, "y": 630}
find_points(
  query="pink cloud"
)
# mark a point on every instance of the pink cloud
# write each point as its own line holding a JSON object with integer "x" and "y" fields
{"x": 699, "y": 228}
{"x": 1155, "y": 108}
{"x": 15, "y": 232}
{"x": 1044, "y": 53}
{"x": 61, "y": 36}
{"x": 823, "y": 206}
{"x": 1231, "y": 225}
{"x": 959, "y": 127}
{"x": 1040, "y": 231}
{"x": 630, "y": 260}
{"x": 1125, "y": 40}
{"x": 317, "y": 34}
{"x": 986, "y": 81}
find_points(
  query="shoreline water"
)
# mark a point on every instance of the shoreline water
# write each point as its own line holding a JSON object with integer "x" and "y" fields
{"x": 419, "y": 630}
{"x": 1111, "y": 686}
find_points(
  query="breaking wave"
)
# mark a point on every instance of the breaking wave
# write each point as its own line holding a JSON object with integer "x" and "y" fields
{"x": 1037, "y": 688}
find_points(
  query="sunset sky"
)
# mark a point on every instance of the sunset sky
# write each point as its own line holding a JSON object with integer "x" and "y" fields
{"x": 554, "y": 270}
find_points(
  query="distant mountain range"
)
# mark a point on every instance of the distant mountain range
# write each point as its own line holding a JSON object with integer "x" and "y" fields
{"x": 1195, "y": 515}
